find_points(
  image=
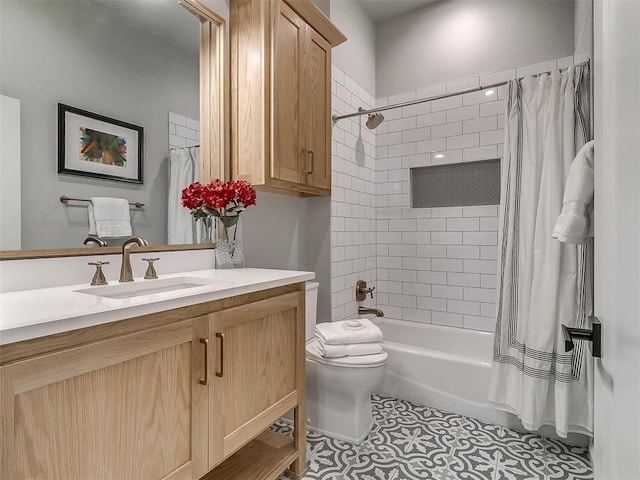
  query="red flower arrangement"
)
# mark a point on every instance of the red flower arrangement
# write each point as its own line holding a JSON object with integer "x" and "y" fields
{"x": 225, "y": 200}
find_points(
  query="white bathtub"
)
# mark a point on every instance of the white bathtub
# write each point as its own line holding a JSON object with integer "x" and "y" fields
{"x": 446, "y": 368}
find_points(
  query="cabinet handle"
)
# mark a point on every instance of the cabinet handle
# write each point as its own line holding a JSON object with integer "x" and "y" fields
{"x": 221, "y": 337}
{"x": 309, "y": 168}
{"x": 205, "y": 342}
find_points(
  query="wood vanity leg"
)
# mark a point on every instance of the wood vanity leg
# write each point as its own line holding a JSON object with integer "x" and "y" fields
{"x": 298, "y": 468}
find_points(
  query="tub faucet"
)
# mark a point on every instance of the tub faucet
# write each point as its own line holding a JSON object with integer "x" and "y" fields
{"x": 126, "y": 275}
{"x": 366, "y": 311}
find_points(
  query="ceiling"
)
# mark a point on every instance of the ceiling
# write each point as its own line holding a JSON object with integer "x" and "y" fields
{"x": 380, "y": 10}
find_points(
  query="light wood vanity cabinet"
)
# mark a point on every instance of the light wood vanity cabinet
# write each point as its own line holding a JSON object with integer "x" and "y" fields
{"x": 185, "y": 394}
{"x": 120, "y": 408}
{"x": 256, "y": 374}
{"x": 281, "y": 95}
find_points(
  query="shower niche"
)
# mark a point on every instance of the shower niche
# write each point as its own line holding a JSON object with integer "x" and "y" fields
{"x": 281, "y": 95}
{"x": 456, "y": 185}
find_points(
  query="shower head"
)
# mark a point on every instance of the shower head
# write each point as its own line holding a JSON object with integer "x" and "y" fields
{"x": 374, "y": 120}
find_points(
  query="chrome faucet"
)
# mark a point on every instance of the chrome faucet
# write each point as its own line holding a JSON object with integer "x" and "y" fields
{"x": 126, "y": 275}
{"x": 366, "y": 311}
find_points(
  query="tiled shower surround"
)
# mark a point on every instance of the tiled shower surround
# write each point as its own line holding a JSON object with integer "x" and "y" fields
{"x": 353, "y": 237}
{"x": 433, "y": 265}
{"x": 414, "y": 442}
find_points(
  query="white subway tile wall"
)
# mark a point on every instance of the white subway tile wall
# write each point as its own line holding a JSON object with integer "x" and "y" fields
{"x": 434, "y": 265}
{"x": 353, "y": 221}
{"x": 439, "y": 265}
{"x": 183, "y": 131}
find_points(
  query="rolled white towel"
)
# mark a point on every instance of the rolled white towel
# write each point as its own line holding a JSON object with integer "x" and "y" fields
{"x": 572, "y": 225}
{"x": 339, "y": 333}
{"x": 349, "y": 350}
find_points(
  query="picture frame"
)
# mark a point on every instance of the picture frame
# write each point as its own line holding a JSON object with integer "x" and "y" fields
{"x": 93, "y": 145}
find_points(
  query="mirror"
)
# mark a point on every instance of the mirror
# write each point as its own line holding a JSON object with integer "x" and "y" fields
{"x": 154, "y": 64}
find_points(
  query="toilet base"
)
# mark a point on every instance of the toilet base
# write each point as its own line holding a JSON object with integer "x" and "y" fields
{"x": 339, "y": 416}
{"x": 357, "y": 441}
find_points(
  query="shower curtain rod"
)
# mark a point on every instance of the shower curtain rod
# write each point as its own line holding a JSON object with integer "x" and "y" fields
{"x": 335, "y": 118}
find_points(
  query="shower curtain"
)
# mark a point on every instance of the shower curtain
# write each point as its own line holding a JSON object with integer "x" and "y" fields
{"x": 184, "y": 169}
{"x": 542, "y": 283}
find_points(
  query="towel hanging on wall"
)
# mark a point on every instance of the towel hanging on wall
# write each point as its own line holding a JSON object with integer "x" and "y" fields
{"x": 109, "y": 217}
{"x": 573, "y": 224}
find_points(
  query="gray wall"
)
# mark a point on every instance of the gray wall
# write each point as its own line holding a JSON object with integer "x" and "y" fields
{"x": 583, "y": 28}
{"x": 455, "y": 39}
{"x": 357, "y": 56}
{"x": 59, "y": 52}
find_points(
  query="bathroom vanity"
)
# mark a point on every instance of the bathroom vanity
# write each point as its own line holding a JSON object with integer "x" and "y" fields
{"x": 175, "y": 381}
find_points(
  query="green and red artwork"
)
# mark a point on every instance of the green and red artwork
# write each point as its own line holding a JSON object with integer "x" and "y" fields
{"x": 100, "y": 147}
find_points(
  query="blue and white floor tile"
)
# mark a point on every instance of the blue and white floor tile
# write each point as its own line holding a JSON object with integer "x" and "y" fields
{"x": 415, "y": 442}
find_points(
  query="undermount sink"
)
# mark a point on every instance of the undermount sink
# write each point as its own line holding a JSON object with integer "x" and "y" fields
{"x": 149, "y": 287}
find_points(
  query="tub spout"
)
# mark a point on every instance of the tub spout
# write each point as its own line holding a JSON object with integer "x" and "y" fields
{"x": 367, "y": 311}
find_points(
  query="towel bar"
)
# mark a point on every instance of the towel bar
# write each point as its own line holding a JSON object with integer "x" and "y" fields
{"x": 594, "y": 336}
{"x": 65, "y": 199}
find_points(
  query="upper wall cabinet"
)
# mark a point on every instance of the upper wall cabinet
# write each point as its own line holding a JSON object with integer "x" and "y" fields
{"x": 281, "y": 95}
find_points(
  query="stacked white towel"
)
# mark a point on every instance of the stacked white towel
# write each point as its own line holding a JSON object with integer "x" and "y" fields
{"x": 109, "y": 217}
{"x": 342, "y": 339}
{"x": 573, "y": 223}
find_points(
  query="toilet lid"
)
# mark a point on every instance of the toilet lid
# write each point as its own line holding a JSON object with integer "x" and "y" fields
{"x": 359, "y": 361}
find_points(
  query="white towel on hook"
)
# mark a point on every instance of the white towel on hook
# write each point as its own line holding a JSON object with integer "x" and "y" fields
{"x": 334, "y": 333}
{"x": 573, "y": 223}
{"x": 348, "y": 350}
{"x": 109, "y": 217}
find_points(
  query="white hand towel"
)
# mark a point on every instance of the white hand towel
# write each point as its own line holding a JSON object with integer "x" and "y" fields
{"x": 350, "y": 350}
{"x": 572, "y": 225}
{"x": 333, "y": 333}
{"x": 314, "y": 352}
{"x": 109, "y": 217}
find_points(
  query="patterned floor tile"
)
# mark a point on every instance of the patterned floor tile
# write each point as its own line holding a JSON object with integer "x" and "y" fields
{"x": 372, "y": 466}
{"x": 282, "y": 427}
{"x": 392, "y": 436}
{"x": 476, "y": 452}
{"x": 327, "y": 457}
{"x": 522, "y": 456}
{"x": 418, "y": 470}
{"x": 415, "y": 442}
{"x": 566, "y": 462}
{"x": 383, "y": 405}
{"x": 406, "y": 409}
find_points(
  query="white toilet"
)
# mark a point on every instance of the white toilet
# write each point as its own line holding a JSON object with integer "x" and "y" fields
{"x": 339, "y": 389}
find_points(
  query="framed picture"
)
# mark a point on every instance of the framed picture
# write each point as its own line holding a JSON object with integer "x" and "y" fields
{"x": 92, "y": 145}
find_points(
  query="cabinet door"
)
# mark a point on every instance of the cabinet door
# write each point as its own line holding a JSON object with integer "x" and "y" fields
{"x": 118, "y": 409}
{"x": 289, "y": 154}
{"x": 318, "y": 109}
{"x": 256, "y": 363}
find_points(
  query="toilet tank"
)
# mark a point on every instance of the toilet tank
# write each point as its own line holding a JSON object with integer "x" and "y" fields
{"x": 311, "y": 308}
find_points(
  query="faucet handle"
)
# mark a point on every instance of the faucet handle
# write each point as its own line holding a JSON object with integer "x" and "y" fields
{"x": 98, "y": 277}
{"x": 362, "y": 290}
{"x": 150, "y": 274}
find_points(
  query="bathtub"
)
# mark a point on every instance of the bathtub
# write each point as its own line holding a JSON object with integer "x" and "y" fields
{"x": 446, "y": 368}
{"x": 443, "y": 367}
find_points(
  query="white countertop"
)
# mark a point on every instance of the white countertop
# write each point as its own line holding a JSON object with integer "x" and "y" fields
{"x": 36, "y": 313}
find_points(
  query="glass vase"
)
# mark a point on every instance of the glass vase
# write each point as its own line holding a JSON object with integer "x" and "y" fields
{"x": 204, "y": 230}
{"x": 229, "y": 246}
